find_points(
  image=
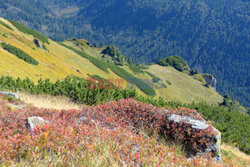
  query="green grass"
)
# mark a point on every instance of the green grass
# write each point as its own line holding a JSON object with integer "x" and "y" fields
{"x": 133, "y": 80}
{"x": 20, "y": 54}
{"x": 98, "y": 63}
{"x": 29, "y": 31}
{"x": 6, "y": 25}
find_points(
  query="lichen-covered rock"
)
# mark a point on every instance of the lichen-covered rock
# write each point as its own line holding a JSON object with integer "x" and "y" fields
{"x": 198, "y": 133}
{"x": 85, "y": 120}
{"x": 210, "y": 80}
{"x": 34, "y": 122}
{"x": 13, "y": 95}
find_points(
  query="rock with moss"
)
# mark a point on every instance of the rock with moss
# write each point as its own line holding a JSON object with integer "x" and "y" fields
{"x": 198, "y": 127}
{"x": 12, "y": 95}
{"x": 35, "y": 122}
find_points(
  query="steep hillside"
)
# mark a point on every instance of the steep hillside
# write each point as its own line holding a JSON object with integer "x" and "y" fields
{"x": 211, "y": 35}
{"x": 58, "y": 60}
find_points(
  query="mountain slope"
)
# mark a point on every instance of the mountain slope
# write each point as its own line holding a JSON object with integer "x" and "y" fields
{"x": 59, "y": 61}
{"x": 211, "y": 36}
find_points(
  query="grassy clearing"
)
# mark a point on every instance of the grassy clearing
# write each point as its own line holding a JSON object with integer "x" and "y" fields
{"x": 184, "y": 88}
{"x": 50, "y": 102}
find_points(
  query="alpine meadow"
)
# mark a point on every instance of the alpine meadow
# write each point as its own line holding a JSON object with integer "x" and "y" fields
{"x": 124, "y": 83}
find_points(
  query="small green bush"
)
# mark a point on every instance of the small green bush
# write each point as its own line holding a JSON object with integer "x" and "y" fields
{"x": 169, "y": 83}
{"x": 175, "y": 61}
{"x": 19, "y": 53}
{"x": 117, "y": 57}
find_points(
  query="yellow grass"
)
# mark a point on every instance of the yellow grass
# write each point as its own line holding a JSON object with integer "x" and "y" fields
{"x": 184, "y": 88}
{"x": 238, "y": 154}
{"x": 50, "y": 102}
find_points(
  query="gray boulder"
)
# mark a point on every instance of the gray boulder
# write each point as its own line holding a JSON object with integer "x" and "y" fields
{"x": 34, "y": 122}
{"x": 198, "y": 126}
{"x": 210, "y": 80}
{"x": 85, "y": 120}
{"x": 13, "y": 95}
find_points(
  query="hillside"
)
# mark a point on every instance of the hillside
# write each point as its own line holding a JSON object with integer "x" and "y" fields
{"x": 56, "y": 61}
{"x": 65, "y": 141}
{"x": 76, "y": 115}
{"x": 212, "y": 36}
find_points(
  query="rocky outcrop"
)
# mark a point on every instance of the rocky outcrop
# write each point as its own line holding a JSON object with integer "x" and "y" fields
{"x": 210, "y": 80}
{"x": 37, "y": 43}
{"x": 13, "y": 95}
{"x": 206, "y": 132}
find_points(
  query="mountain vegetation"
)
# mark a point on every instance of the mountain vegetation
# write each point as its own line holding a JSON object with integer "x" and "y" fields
{"x": 19, "y": 53}
{"x": 175, "y": 61}
{"x": 79, "y": 72}
{"x": 6, "y": 25}
{"x": 116, "y": 55}
{"x": 212, "y": 36}
{"x": 64, "y": 140}
{"x": 231, "y": 122}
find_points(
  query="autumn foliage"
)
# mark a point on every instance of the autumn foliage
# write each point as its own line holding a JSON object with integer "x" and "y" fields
{"x": 116, "y": 137}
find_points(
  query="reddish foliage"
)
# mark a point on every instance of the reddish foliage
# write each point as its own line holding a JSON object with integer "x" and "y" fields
{"x": 116, "y": 120}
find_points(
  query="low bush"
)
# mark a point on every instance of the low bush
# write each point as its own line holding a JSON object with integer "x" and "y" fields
{"x": 72, "y": 87}
{"x": 169, "y": 83}
{"x": 65, "y": 141}
{"x": 175, "y": 61}
{"x": 136, "y": 69}
{"x": 20, "y": 54}
{"x": 233, "y": 124}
